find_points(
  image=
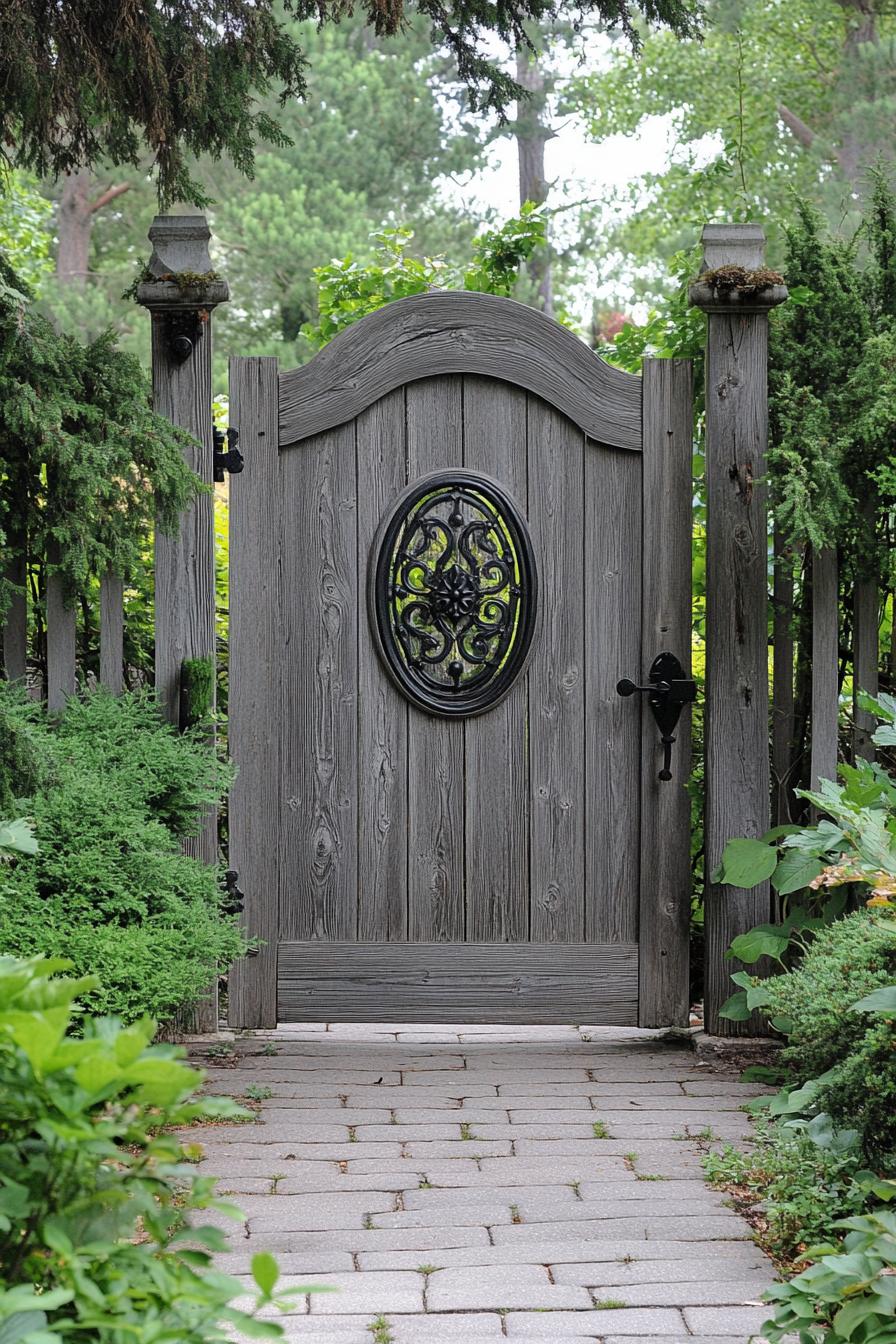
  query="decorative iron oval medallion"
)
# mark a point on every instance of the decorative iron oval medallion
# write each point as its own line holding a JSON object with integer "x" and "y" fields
{"x": 453, "y": 591}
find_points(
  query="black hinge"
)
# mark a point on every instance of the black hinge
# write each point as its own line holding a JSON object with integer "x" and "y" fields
{"x": 229, "y": 459}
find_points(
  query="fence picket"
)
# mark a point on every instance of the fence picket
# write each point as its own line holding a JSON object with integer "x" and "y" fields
{"x": 61, "y": 640}
{"x": 825, "y": 654}
{"x": 864, "y": 664}
{"x": 112, "y": 633}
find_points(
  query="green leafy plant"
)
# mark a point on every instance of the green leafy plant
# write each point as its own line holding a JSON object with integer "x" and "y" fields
{"x": 348, "y": 290}
{"x": 849, "y": 1292}
{"x": 110, "y": 788}
{"x": 101, "y": 1216}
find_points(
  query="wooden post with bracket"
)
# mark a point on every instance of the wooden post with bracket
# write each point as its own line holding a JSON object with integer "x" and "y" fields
{"x": 181, "y": 290}
{"x": 737, "y": 293}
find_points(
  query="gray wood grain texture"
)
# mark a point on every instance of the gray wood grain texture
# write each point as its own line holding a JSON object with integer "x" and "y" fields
{"x": 825, "y": 666}
{"x": 783, "y": 724}
{"x": 455, "y": 332}
{"x": 556, "y": 680}
{"x": 436, "y": 747}
{"x": 61, "y": 639}
{"x": 382, "y": 711}
{"x": 185, "y": 561}
{"x": 15, "y": 624}
{"x": 319, "y": 684}
{"x": 736, "y": 721}
{"x": 497, "y": 768}
{"x": 866, "y": 653}
{"x": 112, "y": 633}
{"x": 666, "y": 877}
{"x": 611, "y": 566}
{"x": 481, "y": 982}
{"x": 255, "y": 648}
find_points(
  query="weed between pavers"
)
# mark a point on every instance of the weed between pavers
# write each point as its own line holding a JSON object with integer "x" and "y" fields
{"x": 600, "y": 1130}
{"x": 609, "y": 1304}
{"x": 466, "y": 1131}
{"x": 255, "y": 1092}
{"x": 381, "y": 1331}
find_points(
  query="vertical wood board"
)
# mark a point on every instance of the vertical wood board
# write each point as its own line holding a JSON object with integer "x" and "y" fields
{"x": 319, "y": 690}
{"x": 112, "y": 633}
{"x": 666, "y": 878}
{"x": 497, "y": 803}
{"x": 61, "y": 639}
{"x": 825, "y": 666}
{"x": 556, "y": 680}
{"x": 866, "y": 652}
{"x": 611, "y": 568}
{"x": 436, "y": 764}
{"x": 255, "y": 648}
{"x": 382, "y": 711}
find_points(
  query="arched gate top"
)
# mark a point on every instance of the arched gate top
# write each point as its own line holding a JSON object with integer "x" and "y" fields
{"x": 449, "y": 331}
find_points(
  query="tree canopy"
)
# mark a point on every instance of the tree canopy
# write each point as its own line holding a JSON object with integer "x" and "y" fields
{"x": 92, "y": 80}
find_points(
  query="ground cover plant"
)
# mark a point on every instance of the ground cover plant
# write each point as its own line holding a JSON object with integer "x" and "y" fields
{"x": 101, "y": 1212}
{"x": 819, "y": 1177}
{"x": 110, "y": 788}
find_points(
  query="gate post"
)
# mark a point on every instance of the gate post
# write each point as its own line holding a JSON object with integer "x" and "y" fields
{"x": 180, "y": 290}
{"x": 736, "y": 293}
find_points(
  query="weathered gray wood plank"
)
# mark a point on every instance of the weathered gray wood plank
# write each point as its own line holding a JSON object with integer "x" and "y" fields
{"x": 486, "y": 982}
{"x": 256, "y": 650}
{"x": 61, "y": 640}
{"x": 319, "y": 638}
{"x": 455, "y": 332}
{"x": 382, "y": 712}
{"x": 825, "y": 666}
{"x": 612, "y": 765}
{"x": 666, "y": 878}
{"x": 112, "y": 633}
{"x": 436, "y": 768}
{"x": 15, "y": 624}
{"x": 866, "y": 652}
{"x": 782, "y": 679}
{"x": 556, "y": 680}
{"x": 736, "y": 723}
{"x": 497, "y": 811}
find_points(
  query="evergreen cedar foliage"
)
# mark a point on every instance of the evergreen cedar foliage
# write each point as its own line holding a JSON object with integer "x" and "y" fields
{"x": 85, "y": 464}
{"x": 85, "y": 82}
{"x": 110, "y": 788}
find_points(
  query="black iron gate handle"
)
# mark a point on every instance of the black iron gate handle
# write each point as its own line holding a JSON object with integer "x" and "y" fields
{"x": 667, "y": 694}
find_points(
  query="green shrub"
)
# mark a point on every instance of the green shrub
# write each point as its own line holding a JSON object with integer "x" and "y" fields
{"x": 852, "y": 1054}
{"x": 801, "y": 1186}
{"x": 98, "y": 1242}
{"x": 109, "y": 886}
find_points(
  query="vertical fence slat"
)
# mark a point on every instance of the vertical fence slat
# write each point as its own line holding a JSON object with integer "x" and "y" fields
{"x": 255, "y": 655}
{"x": 15, "y": 625}
{"x": 782, "y": 681}
{"x": 865, "y": 664}
{"x": 825, "y": 655}
{"x": 736, "y": 716}
{"x": 112, "y": 633}
{"x": 61, "y": 639}
{"x": 666, "y": 877}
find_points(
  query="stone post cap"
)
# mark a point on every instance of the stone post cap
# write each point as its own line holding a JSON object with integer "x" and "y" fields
{"x": 734, "y": 274}
{"x": 179, "y": 273}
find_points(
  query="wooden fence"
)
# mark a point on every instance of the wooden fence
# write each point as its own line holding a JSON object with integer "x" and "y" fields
{"x": 749, "y": 754}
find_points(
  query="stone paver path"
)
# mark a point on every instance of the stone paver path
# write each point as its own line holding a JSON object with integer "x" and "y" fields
{"x": 486, "y": 1183}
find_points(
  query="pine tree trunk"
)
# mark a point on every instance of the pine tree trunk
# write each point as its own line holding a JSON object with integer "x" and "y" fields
{"x": 74, "y": 225}
{"x": 532, "y": 134}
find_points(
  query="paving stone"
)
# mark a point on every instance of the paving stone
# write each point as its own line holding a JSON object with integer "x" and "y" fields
{"x": 722, "y": 1270}
{"x": 612, "y": 1257}
{"x": 520, "y": 1286}
{"x": 659, "y": 1321}
{"x": 476, "y": 1328}
{"x": 732, "y": 1293}
{"x": 739, "y": 1322}
{"x": 374, "y": 1293}
{"x": 697, "y": 1227}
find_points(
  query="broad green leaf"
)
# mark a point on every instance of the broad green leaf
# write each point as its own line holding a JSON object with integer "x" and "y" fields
{"x": 795, "y": 871}
{"x": 735, "y": 1009}
{"x": 767, "y": 940}
{"x": 265, "y": 1271}
{"x": 746, "y": 863}
{"x": 878, "y": 1001}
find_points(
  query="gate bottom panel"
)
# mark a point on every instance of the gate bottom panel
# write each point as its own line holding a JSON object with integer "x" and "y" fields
{"x": 596, "y": 983}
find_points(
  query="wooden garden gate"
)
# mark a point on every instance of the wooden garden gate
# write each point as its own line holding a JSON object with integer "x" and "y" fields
{"x": 456, "y": 531}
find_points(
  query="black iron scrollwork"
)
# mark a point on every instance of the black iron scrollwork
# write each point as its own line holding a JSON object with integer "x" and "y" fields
{"x": 453, "y": 593}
